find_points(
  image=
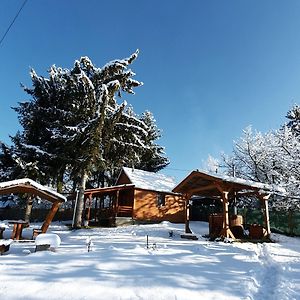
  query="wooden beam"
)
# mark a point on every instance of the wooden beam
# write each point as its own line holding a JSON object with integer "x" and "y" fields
{"x": 264, "y": 198}
{"x": 187, "y": 213}
{"x": 50, "y": 216}
{"x": 117, "y": 203}
{"x": 223, "y": 188}
{"x": 225, "y": 232}
{"x": 202, "y": 189}
{"x": 88, "y": 214}
{"x": 96, "y": 209}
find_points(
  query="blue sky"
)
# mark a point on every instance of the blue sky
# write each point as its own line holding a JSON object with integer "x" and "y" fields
{"x": 210, "y": 68}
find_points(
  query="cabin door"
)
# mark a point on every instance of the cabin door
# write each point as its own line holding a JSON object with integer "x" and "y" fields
{"x": 125, "y": 203}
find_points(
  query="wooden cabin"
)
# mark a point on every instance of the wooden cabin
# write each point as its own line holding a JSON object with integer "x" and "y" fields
{"x": 140, "y": 195}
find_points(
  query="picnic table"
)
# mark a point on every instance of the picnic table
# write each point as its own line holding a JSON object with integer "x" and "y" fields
{"x": 18, "y": 227}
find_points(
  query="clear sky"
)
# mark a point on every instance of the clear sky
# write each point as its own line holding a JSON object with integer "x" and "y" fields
{"x": 210, "y": 68}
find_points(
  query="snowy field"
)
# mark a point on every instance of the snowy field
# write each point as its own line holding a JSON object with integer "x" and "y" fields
{"x": 121, "y": 267}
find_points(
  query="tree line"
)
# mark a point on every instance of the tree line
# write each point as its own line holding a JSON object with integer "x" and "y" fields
{"x": 272, "y": 157}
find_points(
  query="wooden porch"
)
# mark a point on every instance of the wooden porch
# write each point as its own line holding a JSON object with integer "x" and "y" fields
{"x": 103, "y": 205}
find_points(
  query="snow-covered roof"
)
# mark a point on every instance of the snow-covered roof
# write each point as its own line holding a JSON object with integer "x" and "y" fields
{"x": 250, "y": 183}
{"x": 206, "y": 183}
{"x": 41, "y": 190}
{"x": 149, "y": 180}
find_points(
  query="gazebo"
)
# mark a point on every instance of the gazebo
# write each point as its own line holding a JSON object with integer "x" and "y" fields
{"x": 29, "y": 186}
{"x": 225, "y": 188}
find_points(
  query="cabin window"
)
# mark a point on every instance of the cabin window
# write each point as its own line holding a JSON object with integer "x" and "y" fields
{"x": 161, "y": 199}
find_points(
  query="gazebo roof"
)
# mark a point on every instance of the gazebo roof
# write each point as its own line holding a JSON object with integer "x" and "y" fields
{"x": 207, "y": 184}
{"x": 27, "y": 185}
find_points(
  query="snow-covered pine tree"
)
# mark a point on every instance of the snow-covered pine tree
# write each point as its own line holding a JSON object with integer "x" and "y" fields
{"x": 152, "y": 157}
{"x": 42, "y": 118}
{"x": 293, "y": 116}
{"x": 77, "y": 107}
{"x": 132, "y": 143}
{"x": 9, "y": 169}
{"x": 123, "y": 145}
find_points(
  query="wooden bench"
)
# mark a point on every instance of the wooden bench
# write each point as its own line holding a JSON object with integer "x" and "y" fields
{"x": 189, "y": 236}
{"x": 47, "y": 241}
{"x": 36, "y": 232}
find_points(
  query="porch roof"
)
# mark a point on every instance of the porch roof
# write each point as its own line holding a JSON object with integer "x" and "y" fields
{"x": 109, "y": 189}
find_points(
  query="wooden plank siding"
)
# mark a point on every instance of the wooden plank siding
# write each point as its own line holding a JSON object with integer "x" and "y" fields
{"x": 146, "y": 207}
{"x": 123, "y": 179}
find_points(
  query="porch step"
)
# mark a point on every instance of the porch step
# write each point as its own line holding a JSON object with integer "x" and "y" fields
{"x": 121, "y": 221}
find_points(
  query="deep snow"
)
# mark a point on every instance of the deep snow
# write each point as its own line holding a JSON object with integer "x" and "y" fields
{"x": 121, "y": 267}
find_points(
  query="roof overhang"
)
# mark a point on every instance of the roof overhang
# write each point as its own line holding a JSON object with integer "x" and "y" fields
{"x": 210, "y": 185}
{"x": 29, "y": 186}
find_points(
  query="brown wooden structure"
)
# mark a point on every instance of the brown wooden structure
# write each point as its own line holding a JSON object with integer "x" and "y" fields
{"x": 226, "y": 189}
{"x": 144, "y": 196}
{"x": 31, "y": 187}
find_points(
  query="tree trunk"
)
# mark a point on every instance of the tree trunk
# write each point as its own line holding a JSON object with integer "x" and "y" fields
{"x": 80, "y": 201}
{"x": 291, "y": 223}
{"x": 60, "y": 181}
{"x": 28, "y": 209}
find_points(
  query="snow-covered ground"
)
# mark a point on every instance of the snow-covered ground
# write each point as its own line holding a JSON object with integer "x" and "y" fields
{"x": 121, "y": 267}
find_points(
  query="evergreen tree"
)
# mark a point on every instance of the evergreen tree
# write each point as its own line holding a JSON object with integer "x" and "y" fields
{"x": 152, "y": 157}
{"x": 70, "y": 114}
{"x": 9, "y": 169}
{"x": 294, "y": 119}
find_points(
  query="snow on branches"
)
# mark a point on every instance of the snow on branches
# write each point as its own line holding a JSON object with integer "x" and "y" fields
{"x": 273, "y": 158}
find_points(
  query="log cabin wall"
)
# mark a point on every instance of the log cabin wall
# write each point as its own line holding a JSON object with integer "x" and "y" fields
{"x": 146, "y": 207}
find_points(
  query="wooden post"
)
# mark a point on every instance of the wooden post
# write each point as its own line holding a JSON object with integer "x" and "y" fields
{"x": 50, "y": 216}
{"x": 117, "y": 203}
{"x": 225, "y": 232}
{"x": 264, "y": 199}
{"x": 88, "y": 214}
{"x": 187, "y": 213}
{"x": 19, "y": 231}
{"x": 96, "y": 209}
{"x": 13, "y": 235}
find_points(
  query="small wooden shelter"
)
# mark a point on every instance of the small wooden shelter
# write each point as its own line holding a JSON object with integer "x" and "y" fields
{"x": 225, "y": 188}
{"x": 140, "y": 195}
{"x": 29, "y": 186}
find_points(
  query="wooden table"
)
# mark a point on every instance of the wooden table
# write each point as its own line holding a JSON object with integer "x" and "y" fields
{"x": 18, "y": 227}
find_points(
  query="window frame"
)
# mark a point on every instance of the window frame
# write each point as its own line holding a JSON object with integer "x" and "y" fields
{"x": 161, "y": 199}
